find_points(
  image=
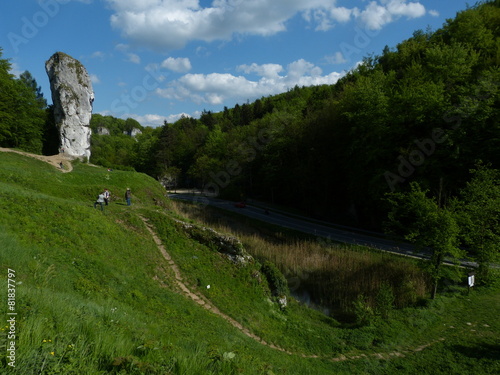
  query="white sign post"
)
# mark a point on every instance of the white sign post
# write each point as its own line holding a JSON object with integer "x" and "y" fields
{"x": 470, "y": 281}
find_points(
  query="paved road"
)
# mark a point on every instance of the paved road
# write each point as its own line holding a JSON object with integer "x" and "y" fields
{"x": 317, "y": 228}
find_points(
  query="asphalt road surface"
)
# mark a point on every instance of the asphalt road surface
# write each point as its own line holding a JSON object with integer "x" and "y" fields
{"x": 329, "y": 232}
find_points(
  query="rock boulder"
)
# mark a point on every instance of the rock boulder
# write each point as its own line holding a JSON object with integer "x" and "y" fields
{"x": 73, "y": 97}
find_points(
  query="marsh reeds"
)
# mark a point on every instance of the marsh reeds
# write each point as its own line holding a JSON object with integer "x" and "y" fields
{"x": 326, "y": 274}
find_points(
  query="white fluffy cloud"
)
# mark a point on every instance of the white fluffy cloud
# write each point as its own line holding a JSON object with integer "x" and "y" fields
{"x": 216, "y": 88}
{"x": 265, "y": 70}
{"x": 179, "y": 65}
{"x": 342, "y": 14}
{"x": 152, "y": 119}
{"x": 376, "y": 15}
{"x": 171, "y": 24}
{"x": 325, "y": 18}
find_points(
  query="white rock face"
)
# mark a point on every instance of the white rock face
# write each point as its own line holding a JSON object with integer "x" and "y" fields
{"x": 133, "y": 133}
{"x": 72, "y": 96}
{"x": 103, "y": 131}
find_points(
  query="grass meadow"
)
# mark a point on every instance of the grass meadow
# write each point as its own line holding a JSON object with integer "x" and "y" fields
{"x": 93, "y": 294}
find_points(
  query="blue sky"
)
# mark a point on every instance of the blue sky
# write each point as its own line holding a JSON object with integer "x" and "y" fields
{"x": 154, "y": 60}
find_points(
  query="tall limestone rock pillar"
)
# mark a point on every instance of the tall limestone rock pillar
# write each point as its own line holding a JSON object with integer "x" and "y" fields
{"x": 72, "y": 96}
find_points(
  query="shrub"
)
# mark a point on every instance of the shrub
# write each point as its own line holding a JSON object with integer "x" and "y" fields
{"x": 277, "y": 281}
{"x": 361, "y": 338}
{"x": 363, "y": 312}
{"x": 384, "y": 300}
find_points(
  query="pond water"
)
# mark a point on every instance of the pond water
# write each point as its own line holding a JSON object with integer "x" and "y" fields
{"x": 303, "y": 296}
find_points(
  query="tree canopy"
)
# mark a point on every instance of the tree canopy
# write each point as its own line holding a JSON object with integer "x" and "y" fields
{"x": 23, "y": 114}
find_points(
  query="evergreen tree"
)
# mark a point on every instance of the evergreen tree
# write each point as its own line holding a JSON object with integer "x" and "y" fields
{"x": 22, "y": 110}
{"x": 7, "y": 96}
{"x": 30, "y": 82}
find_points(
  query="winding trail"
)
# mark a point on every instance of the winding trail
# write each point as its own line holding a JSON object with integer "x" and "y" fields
{"x": 206, "y": 304}
{"x": 197, "y": 297}
{"x": 54, "y": 160}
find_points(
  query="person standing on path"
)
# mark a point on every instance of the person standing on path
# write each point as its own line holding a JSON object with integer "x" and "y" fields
{"x": 128, "y": 196}
{"x": 100, "y": 201}
{"x": 106, "y": 196}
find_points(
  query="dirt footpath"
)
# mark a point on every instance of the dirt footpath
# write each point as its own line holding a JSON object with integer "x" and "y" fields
{"x": 54, "y": 160}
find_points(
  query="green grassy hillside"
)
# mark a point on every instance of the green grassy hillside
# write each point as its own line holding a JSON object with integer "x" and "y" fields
{"x": 93, "y": 294}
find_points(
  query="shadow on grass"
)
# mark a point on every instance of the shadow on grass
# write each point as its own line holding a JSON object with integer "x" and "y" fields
{"x": 480, "y": 351}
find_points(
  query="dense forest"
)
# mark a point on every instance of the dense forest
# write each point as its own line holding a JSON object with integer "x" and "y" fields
{"x": 426, "y": 111}
{"x": 420, "y": 118}
{"x": 408, "y": 142}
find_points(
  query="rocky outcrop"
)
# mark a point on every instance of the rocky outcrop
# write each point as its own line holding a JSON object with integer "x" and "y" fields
{"x": 229, "y": 246}
{"x": 73, "y": 97}
{"x": 103, "y": 131}
{"x": 133, "y": 133}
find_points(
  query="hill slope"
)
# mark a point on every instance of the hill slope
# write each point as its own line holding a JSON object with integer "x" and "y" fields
{"x": 94, "y": 293}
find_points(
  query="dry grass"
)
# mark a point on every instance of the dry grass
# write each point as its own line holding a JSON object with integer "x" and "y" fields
{"x": 332, "y": 275}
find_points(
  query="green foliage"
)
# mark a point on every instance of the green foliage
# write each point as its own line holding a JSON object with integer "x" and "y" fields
{"x": 287, "y": 148}
{"x": 363, "y": 312}
{"x": 480, "y": 218}
{"x": 424, "y": 222}
{"x": 113, "y": 152}
{"x": 22, "y": 111}
{"x": 326, "y": 149}
{"x": 276, "y": 280}
{"x": 385, "y": 300}
{"x": 31, "y": 83}
{"x": 114, "y": 147}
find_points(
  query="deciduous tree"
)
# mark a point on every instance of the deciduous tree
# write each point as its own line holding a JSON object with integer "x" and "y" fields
{"x": 431, "y": 227}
